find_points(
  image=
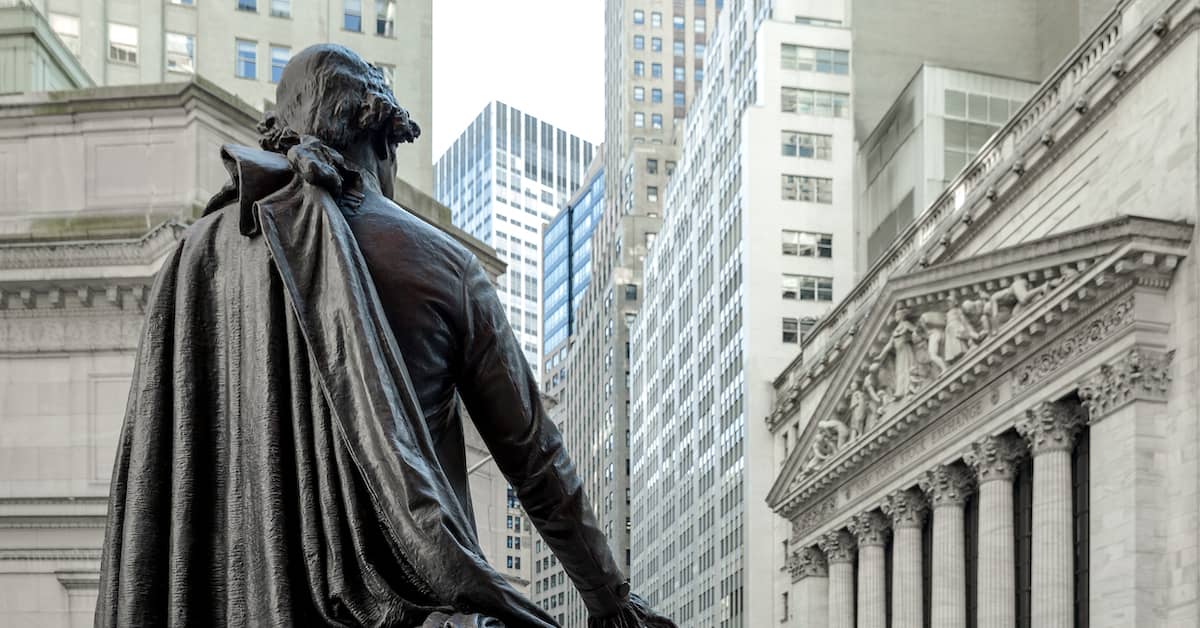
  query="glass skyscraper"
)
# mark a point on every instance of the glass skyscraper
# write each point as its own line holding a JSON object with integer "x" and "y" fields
{"x": 568, "y": 271}
{"x": 504, "y": 178}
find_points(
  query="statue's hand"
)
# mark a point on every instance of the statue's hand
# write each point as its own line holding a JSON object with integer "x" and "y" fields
{"x": 635, "y": 613}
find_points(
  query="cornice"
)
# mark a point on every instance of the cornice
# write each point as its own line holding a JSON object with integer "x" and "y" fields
{"x": 1137, "y": 375}
{"x": 55, "y": 554}
{"x": 1124, "y": 47}
{"x": 80, "y": 253}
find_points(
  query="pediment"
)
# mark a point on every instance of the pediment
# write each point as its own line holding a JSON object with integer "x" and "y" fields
{"x": 931, "y": 336}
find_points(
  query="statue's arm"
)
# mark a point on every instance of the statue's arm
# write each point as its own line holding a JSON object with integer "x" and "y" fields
{"x": 501, "y": 396}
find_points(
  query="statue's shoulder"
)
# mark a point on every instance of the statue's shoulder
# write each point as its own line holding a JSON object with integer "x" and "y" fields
{"x": 380, "y": 224}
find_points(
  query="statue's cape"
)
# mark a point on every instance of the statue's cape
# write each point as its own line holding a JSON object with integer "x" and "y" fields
{"x": 274, "y": 467}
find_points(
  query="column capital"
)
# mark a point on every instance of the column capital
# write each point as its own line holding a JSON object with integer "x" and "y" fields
{"x": 1136, "y": 375}
{"x": 995, "y": 457}
{"x": 946, "y": 485}
{"x": 838, "y": 546}
{"x": 907, "y": 508}
{"x": 1049, "y": 426}
{"x": 807, "y": 562}
{"x": 870, "y": 528}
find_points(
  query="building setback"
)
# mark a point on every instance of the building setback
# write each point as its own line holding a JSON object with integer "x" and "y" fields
{"x": 506, "y": 176}
{"x": 998, "y": 424}
{"x": 242, "y": 46}
{"x": 756, "y": 244}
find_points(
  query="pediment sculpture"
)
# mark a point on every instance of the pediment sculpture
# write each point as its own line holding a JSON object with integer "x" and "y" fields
{"x": 923, "y": 338}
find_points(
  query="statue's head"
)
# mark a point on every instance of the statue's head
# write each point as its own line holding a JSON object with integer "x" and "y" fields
{"x": 329, "y": 92}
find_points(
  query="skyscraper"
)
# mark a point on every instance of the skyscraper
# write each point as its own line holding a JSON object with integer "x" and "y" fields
{"x": 654, "y": 65}
{"x": 567, "y": 272}
{"x": 756, "y": 243}
{"x": 505, "y": 177}
{"x": 242, "y": 46}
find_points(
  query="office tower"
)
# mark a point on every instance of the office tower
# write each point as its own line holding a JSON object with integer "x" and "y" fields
{"x": 653, "y": 65}
{"x": 981, "y": 49}
{"x": 938, "y": 123}
{"x": 242, "y": 46}
{"x": 1036, "y": 468}
{"x": 505, "y": 177}
{"x": 567, "y": 272}
{"x": 756, "y": 244}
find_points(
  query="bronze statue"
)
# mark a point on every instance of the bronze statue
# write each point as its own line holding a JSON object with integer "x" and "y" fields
{"x": 292, "y": 452}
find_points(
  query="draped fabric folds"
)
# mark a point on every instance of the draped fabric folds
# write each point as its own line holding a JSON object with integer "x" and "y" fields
{"x": 274, "y": 468}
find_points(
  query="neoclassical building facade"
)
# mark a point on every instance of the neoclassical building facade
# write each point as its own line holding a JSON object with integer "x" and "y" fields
{"x": 1000, "y": 425}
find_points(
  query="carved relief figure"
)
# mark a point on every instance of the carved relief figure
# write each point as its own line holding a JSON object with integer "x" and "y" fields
{"x": 934, "y": 324}
{"x": 858, "y": 410}
{"x": 961, "y": 335}
{"x": 900, "y": 348}
{"x": 838, "y": 427}
{"x": 822, "y": 449}
{"x": 878, "y": 397}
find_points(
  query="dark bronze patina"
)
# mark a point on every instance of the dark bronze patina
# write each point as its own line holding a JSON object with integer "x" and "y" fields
{"x": 292, "y": 452}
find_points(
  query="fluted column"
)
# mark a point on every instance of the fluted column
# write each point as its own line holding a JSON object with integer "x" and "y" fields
{"x": 810, "y": 583}
{"x": 838, "y": 546}
{"x": 1050, "y": 430}
{"x": 870, "y": 529}
{"x": 947, "y": 487}
{"x": 994, "y": 460}
{"x": 907, "y": 510}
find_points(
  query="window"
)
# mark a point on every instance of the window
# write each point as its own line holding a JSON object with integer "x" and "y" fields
{"x": 630, "y": 292}
{"x": 352, "y": 15}
{"x": 656, "y": 19}
{"x": 677, "y": 48}
{"x": 186, "y": 3}
{"x": 385, "y": 18}
{"x": 181, "y": 53}
{"x": 809, "y": 189}
{"x": 807, "y": 244}
{"x": 639, "y": 42}
{"x": 699, "y": 51}
{"x": 281, "y": 8}
{"x": 679, "y": 98}
{"x": 509, "y": 562}
{"x": 807, "y": 288}
{"x": 652, "y": 193}
{"x": 247, "y": 5}
{"x": 122, "y": 43}
{"x": 639, "y": 119}
{"x": 655, "y": 95}
{"x": 651, "y": 166}
{"x": 699, "y": 75}
{"x": 971, "y": 120}
{"x": 677, "y": 22}
{"x": 656, "y": 70}
{"x": 639, "y": 68}
{"x": 67, "y": 28}
{"x": 247, "y": 59}
{"x": 670, "y": 168}
{"x": 815, "y": 102}
{"x": 639, "y": 94}
{"x": 679, "y": 73}
{"x": 656, "y": 44}
{"x": 791, "y": 334}
{"x": 639, "y": 16}
{"x": 810, "y": 145}
{"x": 389, "y": 77}
{"x": 824, "y": 60}
{"x": 656, "y": 118}
{"x": 279, "y": 58}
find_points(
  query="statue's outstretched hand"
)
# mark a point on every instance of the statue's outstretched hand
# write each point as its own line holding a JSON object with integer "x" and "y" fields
{"x": 635, "y": 613}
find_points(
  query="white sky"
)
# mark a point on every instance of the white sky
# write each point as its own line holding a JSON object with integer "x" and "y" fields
{"x": 544, "y": 57}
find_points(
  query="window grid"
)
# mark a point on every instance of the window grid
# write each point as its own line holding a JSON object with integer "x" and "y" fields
{"x": 808, "y": 189}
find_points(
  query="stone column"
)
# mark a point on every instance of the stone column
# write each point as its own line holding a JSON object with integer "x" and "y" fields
{"x": 870, "y": 529}
{"x": 1050, "y": 430}
{"x": 838, "y": 546}
{"x": 907, "y": 510}
{"x": 947, "y": 487}
{"x": 1130, "y": 435}
{"x": 810, "y": 587}
{"x": 994, "y": 460}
